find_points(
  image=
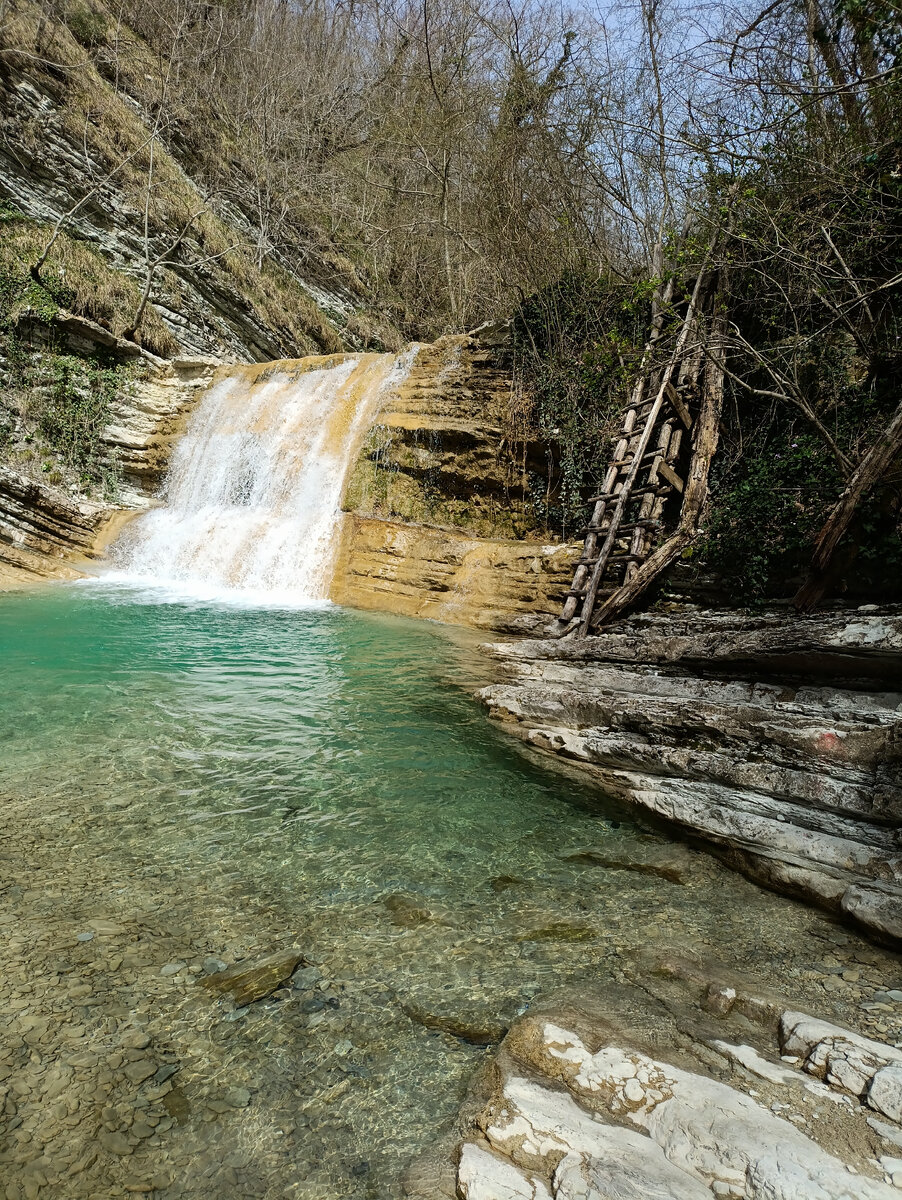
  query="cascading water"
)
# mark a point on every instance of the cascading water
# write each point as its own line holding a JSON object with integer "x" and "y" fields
{"x": 253, "y": 494}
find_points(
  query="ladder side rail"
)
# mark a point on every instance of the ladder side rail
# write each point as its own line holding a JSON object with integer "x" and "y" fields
{"x": 705, "y": 439}
{"x": 617, "y": 517}
{"x": 590, "y": 544}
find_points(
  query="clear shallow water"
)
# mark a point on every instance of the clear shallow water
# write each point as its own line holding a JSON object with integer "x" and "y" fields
{"x": 227, "y": 781}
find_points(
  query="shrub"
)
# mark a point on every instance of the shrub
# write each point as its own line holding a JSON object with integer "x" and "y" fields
{"x": 87, "y": 25}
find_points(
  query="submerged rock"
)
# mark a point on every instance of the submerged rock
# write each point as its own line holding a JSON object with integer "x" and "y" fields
{"x": 504, "y": 883}
{"x": 253, "y": 979}
{"x": 560, "y": 931}
{"x": 669, "y": 863}
{"x": 405, "y": 911}
{"x": 479, "y": 1027}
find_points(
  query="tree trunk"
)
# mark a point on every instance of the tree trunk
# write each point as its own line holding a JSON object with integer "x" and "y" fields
{"x": 886, "y": 451}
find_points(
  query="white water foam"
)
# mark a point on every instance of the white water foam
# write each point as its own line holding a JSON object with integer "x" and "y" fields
{"x": 253, "y": 494}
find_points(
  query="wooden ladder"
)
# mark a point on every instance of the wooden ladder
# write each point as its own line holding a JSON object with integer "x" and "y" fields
{"x": 627, "y": 517}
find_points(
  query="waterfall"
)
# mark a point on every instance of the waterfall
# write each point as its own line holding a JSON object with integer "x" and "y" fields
{"x": 252, "y": 499}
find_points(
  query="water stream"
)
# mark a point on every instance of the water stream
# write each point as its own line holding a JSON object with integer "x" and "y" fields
{"x": 252, "y": 498}
{"x": 187, "y": 778}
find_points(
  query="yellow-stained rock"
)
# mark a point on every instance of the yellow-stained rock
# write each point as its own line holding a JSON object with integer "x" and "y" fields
{"x": 422, "y": 571}
{"x": 438, "y": 452}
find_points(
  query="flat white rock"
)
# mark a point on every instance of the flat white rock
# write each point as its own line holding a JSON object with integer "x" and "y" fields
{"x": 485, "y": 1176}
{"x": 712, "y": 1131}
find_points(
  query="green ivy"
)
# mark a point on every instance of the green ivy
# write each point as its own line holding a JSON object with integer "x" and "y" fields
{"x": 76, "y": 396}
{"x": 767, "y": 507}
{"x": 65, "y": 402}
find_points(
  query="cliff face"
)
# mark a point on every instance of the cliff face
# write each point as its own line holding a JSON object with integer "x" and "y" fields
{"x": 96, "y": 205}
{"x": 46, "y": 532}
{"x": 77, "y": 145}
{"x": 424, "y": 571}
{"x": 439, "y": 521}
{"x": 776, "y": 739}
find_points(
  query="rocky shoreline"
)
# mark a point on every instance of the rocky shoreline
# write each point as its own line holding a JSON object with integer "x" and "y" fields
{"x": 678, "y": 1082}
{"x": 775, "y": 739}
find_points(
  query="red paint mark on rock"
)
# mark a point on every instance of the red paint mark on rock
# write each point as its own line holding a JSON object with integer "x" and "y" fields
{"x": 829, "y": 742}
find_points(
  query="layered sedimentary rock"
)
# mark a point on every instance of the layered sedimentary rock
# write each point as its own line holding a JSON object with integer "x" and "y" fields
{"x": 671, "y": 1087}
{"x": 43, "y": 531}
{"x": 777, "y": 739}
{"x": 440, "y": 523}
{"x": 47, "y": 533}
{"x": 50, "y": 169}
{"x": 435, "y": 454}
{"x": 145, "y": 422}
{"x": 424, "y": 571}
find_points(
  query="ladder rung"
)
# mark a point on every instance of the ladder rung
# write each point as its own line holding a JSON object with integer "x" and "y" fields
{"x": 606, "y": 496}
{"x": 630, "y": 557}
{"x": 649, "y": 404}
{"x": 645, "y": 523}
{"x": 628, "y": 462}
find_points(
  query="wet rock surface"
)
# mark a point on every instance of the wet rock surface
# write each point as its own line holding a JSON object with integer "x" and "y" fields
{"x": 775, "y": 738}
{"x": 40, "y": 527}
{"x": 478, "y": 1025}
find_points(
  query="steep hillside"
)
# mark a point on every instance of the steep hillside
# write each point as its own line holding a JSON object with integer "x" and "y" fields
{"x": 81, "y": 154}
{"x": 117, "y": 256}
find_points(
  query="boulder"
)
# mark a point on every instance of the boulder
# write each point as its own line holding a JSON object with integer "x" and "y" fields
{"x": 254, "y": 979}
